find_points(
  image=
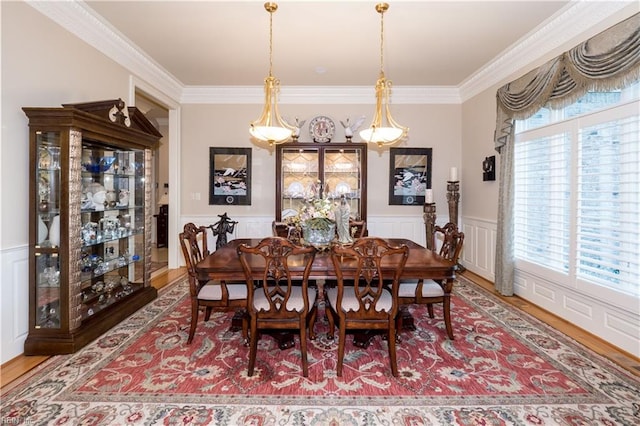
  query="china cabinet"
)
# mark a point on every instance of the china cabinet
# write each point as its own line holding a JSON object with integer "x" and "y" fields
{"x": 90, "y": 216}
{"x": 335, "y": 169}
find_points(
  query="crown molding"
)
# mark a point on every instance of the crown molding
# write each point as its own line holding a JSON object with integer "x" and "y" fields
{"x": 300, "y": 95}
{"x": 82, "y": 21}
{"x": 577, "y": 18}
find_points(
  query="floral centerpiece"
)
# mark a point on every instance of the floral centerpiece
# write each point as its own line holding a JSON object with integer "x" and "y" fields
{"x": 316, "y": 218}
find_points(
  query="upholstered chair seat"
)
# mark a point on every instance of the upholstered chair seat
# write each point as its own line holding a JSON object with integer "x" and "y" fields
{"x": 430, "y": 288}
{"x": 351, "y": 303}
{"x": 213, "y": 291}
{"x": 294, "y": 304}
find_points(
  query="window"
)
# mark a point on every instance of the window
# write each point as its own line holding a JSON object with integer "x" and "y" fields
{"x": 577, "y": 195}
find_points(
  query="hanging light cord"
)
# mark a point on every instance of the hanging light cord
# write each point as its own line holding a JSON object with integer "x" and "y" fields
{"x": 270, "y": 41}
{"x": 381, "y": 42}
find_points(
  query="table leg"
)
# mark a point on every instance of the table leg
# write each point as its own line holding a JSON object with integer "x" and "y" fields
{"x": 407, "y": 319}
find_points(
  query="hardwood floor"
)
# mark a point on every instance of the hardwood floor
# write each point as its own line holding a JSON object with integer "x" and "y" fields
{"x": 20, "y": 365}
{"x": 596, "y": 344}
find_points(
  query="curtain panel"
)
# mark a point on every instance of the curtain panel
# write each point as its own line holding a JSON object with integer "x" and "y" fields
{"x": 607, "y": 61}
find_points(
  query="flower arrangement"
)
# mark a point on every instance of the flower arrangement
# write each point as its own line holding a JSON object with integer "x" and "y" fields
{"x": 317, "y": 212}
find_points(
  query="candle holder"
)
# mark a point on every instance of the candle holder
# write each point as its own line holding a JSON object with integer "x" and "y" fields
{"x": 453, "y": 198}
{"x": 430, "y": 223}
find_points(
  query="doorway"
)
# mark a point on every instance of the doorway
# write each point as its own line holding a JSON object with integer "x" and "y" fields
{"x": 158, "y": 115}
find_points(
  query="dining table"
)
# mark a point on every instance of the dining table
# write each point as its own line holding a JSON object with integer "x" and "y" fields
{"x": 224, "y": 265}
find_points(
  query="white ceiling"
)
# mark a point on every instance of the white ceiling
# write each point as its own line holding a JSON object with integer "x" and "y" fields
{"x": 324, "y": 43}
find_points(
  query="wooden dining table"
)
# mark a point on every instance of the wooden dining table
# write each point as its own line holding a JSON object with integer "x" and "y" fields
{"x": 224, "y": 264}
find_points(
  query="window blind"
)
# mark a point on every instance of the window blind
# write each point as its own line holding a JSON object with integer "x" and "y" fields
{"x": 542, "y": 201}
{"x": 577, "y": 191}
{"x": 608, "y": 204}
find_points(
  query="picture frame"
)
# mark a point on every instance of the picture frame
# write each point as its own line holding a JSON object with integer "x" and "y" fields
{"x": 409, "y": 175}
{"x": 230, "y": 176}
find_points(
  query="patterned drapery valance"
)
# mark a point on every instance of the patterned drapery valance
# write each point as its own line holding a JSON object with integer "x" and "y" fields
{"x": 607, "y": 61}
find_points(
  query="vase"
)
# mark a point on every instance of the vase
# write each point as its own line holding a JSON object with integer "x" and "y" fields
{"x": 319, "y": 237}
{"x": 54, "y": 231}
{"x": 43, "y": 231}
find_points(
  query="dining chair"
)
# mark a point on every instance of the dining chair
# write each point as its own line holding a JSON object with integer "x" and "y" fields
{"x": 276, "y": 300}
{"x": 285, "y": 230}
{"x": 207, "y": 294}
{"x": 362, "y": 300}
{"x": 358, "y": 228}
{"x": 428, "y": 291}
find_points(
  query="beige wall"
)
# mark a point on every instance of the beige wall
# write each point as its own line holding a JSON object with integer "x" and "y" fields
{"x": 204, "y": 126}
{"x": 478, "y": 199}
{"x": 42, "y": 65}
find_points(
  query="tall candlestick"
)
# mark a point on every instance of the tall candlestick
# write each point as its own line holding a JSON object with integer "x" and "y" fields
{"x": 453, "y": 198}
{"x": 429, "y": 216}
{"x": 453, "y": 174}
{"x": 428, "y": 196}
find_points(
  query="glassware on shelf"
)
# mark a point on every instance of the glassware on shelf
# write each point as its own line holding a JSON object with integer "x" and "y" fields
{"x": 54, "y": 153}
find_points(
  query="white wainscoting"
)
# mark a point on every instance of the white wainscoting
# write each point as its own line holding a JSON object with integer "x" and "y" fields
{"x": 14, "y": 301}
{"x": 479, "y": 249}
{"x": 603, "y": 316}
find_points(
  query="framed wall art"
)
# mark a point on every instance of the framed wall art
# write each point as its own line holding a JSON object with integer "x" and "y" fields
{"x": 409, "y": 175}
{"x": 230, "y": 176}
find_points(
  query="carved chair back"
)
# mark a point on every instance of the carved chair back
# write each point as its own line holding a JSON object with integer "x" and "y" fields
{"x": 452, "y": 241}
{"x": 362, "y": 299}
{"x": 275, "y": 300}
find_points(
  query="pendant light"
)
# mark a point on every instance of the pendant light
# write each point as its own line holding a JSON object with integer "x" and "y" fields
{"x": 270, "y": 127}
{"x": 384, "y": 130}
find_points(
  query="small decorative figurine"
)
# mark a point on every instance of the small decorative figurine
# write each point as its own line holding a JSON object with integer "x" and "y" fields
{"x": 342, "y": 221}
{"x": 297, "y": 126}
{"x": 221, "y": 228}
{"x": 350, "y": 129}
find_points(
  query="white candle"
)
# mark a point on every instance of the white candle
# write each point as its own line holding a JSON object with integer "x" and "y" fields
{"x": 453, "y": 174}
{"x": 428, "y": 196}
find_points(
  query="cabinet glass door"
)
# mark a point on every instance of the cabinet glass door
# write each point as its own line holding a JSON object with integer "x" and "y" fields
{"x": 300, "y": 178}
{"x": 335, "y": 169}
{"x": 343, "y": 177}
{"x": 46, "y": 251}
{"x": 112, "y": 215}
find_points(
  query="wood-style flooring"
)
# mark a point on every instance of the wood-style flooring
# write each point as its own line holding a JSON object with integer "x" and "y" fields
{"x": 14, "y": 368}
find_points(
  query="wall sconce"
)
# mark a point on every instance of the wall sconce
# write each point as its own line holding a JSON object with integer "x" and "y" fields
{"x": 489, "y": 168}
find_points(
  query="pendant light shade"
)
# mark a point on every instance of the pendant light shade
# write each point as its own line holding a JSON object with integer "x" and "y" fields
{"x": 384, "y": 130}
{"x": 270, "y": 127}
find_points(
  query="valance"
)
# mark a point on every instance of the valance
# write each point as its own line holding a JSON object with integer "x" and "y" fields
{"x": 607, "y": 61}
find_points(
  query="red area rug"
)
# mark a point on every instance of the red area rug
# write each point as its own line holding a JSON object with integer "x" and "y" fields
{"x": 504, "y": 367}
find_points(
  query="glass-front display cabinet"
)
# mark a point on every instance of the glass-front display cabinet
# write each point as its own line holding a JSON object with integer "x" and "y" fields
{"x": 90, "y": 221}
{"x": 333, "y": 169}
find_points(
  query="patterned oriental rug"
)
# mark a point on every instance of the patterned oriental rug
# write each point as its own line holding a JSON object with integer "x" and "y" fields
{"x": 503, "y": 368}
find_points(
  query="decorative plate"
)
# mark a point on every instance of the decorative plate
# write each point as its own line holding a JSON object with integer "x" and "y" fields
{"x": 343, "y": 188}
{"x": 289, "y": 213}
{"x": 321, "y": 129}
{"x": 295, "y": 189}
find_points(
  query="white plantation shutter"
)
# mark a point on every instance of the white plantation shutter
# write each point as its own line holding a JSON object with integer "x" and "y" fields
{"x": 577, "y": 192}
{"x": 608, "y": 204}
{"x": 542, "y": 202}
